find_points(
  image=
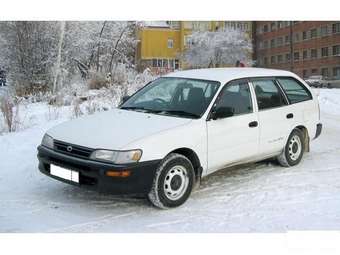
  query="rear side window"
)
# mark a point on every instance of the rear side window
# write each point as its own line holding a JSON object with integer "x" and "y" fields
{"x": 236, "y": 98}
{"x": 295, "y": 91}
{"x": 268, "y": 94}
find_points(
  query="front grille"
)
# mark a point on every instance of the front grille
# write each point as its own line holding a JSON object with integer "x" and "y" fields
{"x": 77, "y": 151}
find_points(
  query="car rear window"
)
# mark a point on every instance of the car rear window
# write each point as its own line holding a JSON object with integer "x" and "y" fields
{"x": 268, "y": 94}
{"x": 295, "y": 91}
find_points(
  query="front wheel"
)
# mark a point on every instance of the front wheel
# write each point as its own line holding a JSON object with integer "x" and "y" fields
{"x": 293, "y": 151}
{"x": 173, "y": 182}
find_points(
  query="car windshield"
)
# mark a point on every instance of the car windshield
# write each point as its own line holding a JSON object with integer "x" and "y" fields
{"x": 181, "y": 97}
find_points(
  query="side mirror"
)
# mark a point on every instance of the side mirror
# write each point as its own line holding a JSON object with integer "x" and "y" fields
{"x": 222, "y": 112}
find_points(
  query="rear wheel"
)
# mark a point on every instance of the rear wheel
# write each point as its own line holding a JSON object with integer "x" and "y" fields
{"x": 294, "y": 149}
{"x": 173, "y": 182}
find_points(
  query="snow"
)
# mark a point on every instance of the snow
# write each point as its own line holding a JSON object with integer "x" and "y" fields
{"x": 261, "y": 197}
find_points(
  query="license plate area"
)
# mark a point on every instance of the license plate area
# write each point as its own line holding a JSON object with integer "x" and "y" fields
{"x": 64, "y": 173}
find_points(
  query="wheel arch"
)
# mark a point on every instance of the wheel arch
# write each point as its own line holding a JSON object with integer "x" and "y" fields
{"x": 193, "y": 157}
{"x": 306, "y": 140}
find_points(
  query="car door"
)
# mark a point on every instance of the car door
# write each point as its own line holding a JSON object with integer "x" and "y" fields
{"x": 234, "y": 136}
{"x": 274, "y": 117}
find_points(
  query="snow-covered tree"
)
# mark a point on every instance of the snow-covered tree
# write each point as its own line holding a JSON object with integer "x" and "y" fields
{"x": 29, "y": 50}
{"x": 33, "y": 53}
{"x": 219, "y": 48}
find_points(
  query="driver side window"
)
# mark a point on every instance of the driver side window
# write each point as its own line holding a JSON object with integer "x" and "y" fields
{"x": 235, "y": 99}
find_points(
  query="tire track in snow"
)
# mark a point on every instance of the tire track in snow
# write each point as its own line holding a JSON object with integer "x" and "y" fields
{"x": 97, "y": 222}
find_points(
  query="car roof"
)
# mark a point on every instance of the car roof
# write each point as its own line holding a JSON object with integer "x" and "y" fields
{"x": 224, "y": 75}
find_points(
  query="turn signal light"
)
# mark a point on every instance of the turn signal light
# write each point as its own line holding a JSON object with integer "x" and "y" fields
{"x": 118, "y": 173}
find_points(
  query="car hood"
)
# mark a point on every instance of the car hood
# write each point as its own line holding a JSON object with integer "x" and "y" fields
{"x": 113, "y": 129}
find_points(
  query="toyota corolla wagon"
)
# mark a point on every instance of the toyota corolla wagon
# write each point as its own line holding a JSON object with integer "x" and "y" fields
{"x": 184, "y": 126}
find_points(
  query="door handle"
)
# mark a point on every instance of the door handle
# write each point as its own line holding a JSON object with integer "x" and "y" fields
{"x": 253, "y": 124}
{"x": 290, "y": 115}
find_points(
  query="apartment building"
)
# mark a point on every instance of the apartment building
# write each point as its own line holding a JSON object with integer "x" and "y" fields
{"x": 161, "y": 43}
{"x": 304, "y": 47}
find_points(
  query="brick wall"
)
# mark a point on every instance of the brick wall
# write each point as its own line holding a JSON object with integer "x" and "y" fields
{"x": 315, "y": 39}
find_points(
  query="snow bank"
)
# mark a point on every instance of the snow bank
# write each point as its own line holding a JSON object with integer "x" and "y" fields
{"x": 329, "y": 100}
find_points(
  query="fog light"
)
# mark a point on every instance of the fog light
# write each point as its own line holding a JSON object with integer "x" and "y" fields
{"x": 118, "y": 173}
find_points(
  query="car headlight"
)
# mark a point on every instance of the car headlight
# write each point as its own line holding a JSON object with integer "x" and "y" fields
{"x": 47, "y": 141}
{"x": 118, "y": 157}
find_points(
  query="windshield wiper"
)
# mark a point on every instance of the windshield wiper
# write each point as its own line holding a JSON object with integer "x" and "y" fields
{"x": 174, "y": 112}
{"x": 139, "y": 108}
{"x": 132, "y": 108}
{"x": 182, "y": 113}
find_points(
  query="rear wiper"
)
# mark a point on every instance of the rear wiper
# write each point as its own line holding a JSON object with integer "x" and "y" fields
{"x": 182, "y": 113}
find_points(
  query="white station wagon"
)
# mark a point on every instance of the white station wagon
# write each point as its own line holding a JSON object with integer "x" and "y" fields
{"x": 184, "y": 126}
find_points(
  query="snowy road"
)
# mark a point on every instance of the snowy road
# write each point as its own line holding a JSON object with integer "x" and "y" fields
{"x": 261, "y": 197}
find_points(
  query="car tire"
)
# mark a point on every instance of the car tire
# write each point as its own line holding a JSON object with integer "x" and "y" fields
{"x": 173, "y": 182}
{"x": 293, "y": 150}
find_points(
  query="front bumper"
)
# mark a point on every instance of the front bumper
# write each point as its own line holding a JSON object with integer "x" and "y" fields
{"x": 92, "y": 174}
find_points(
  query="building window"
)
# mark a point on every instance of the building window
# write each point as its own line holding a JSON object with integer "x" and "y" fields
{"x": 304, "y": 35}
{"x": 324, "y": 72}
{"x": 304, "y": 73}
{"x": 324, "y": 52}
{"x": 159, "y": 63}
{"x": 154, "y": 62}
{"x": 187, "y": 40}
{"x": 288, "y": 57}
{"x": 265, "y": 61}
{"x": 272, "y": 43}
{"x": 176, "y": 64}
{"x": 305, "y": 54}
{"x": 170, "y": 43}
{"x": 313, "y": 33}
{"x": 324, "y": 31}
{"x": 313, "y": 53}
{"x": 336, "y": 72}
{"x": 297, "y": 37}
{"x": 296, "y": 56}
{"x": 279, "y": 41}
{"x": 272, "y": 26}
{"x": 279, "y": 24}
{"x": 336, "y": 50}
{"x": 171, "y": 63}
{"x": 165, "y": 63}
{"x": 272, "y": 60}
{"x": 336, "y": 28}
{"x": 265, "y": 44}
{"x": 279, "y": 59}
{"x": 246, "y": 26}
{"x": 314, "y": 71}
{"x": 287, "y": 40}
{"x": 261, "y": 45}
{"x": 265, "y": 28}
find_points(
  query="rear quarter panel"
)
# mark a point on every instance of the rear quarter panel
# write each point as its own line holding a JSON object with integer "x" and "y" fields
{"x": 306, "y": 113}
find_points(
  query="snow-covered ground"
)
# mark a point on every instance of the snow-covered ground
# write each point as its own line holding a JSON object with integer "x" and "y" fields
{"x": 261, "y": 197}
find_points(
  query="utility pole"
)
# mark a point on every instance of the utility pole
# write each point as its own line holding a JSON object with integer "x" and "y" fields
{"x": 291, "y": 46}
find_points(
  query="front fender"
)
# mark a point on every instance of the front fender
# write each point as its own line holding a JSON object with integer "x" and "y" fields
{"x": 157, "y": 146}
